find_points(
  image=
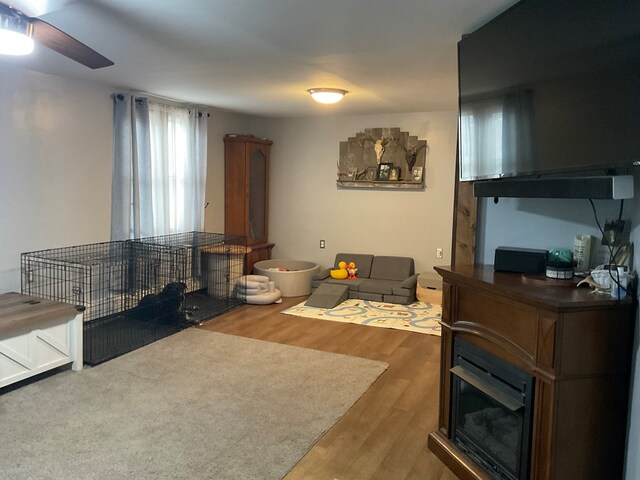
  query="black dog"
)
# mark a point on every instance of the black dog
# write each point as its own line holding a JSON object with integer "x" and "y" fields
{"x": 166, "y": 307}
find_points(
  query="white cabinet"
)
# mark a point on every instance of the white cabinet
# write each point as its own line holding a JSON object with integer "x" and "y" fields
{"x": 37, "y": 335}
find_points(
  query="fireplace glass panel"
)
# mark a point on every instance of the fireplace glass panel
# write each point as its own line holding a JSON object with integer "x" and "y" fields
{"x": 490, "y": 426}
{"x": 492, "y": 412}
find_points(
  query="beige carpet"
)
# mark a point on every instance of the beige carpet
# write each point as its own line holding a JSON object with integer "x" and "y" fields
{"x": 418, "y": 317}
{"x": 196, "y": 405}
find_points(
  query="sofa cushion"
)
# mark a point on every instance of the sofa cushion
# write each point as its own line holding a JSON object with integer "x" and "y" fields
{"x": 322, "y": 274}
{"x": 410, "y": 282}
{"x": 392, "y": 268}
{"x": 374, "y": 297}
{"x": 401, "y": 299}
{"x": 352, "y": 283}
{"x": 378, "y": 286}
{"x": 328, "y": 296}
{"x": 403, "y": 291}
{"x": 363, "y": 262}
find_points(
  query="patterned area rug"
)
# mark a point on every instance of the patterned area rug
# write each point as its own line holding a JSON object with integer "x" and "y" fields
{"x": 418, "y": 317}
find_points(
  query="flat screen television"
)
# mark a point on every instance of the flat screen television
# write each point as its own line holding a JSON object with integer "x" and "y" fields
{"x": 551, "y": 87}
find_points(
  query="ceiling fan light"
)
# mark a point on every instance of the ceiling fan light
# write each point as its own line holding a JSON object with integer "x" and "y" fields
{"x": 15, "y": 35}
{"x": 327, "y": 95}
{"x": 14, "y": 43}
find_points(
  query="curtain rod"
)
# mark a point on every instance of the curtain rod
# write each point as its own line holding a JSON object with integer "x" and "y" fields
{"x": 169, "y": 99}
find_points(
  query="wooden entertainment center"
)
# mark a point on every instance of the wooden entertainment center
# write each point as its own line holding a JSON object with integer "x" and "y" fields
{"x": 575, "y": 344}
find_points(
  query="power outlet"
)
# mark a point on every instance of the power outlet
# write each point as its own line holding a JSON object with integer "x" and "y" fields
{"x": 321, "y": 243}
{"x": 439, "y": 253}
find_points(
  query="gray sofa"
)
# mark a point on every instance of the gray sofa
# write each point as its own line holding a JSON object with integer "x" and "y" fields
{"x": 379, "y": 278}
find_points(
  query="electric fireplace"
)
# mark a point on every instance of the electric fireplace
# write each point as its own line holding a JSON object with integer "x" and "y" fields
{"x": 534, "y": 378}
{"x": 491, "y": 412}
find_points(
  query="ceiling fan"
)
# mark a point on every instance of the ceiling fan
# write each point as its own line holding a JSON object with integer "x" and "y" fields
{"x": 15, "y": 23}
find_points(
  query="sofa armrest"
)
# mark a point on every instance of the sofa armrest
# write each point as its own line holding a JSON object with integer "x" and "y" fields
{"x": 322, "y": 274}
{"x": 410, "y": 283}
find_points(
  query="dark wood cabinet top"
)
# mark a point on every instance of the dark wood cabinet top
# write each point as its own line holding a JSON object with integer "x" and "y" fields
{"x": 230, "y": 138}
{"x": 536, "y": 290}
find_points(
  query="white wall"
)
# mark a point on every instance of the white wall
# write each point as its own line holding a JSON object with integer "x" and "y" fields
{"x": 55, "y": 180}
{"x": 539, "y": 223}
{"x": 55, "y": 165}
{"x": 306, "y": 206}
{"x": 545, "y": 223}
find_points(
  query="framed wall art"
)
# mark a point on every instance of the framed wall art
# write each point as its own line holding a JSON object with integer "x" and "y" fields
{"x": 384, "y": 171}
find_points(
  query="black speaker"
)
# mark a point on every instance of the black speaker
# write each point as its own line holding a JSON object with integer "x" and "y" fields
{"x": 520, "y": 260}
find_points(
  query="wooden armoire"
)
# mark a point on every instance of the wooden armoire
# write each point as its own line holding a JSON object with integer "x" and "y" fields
{"x": 246, "y": 206}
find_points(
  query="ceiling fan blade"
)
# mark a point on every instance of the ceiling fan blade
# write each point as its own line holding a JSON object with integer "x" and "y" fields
{"x": 55, "y": 39}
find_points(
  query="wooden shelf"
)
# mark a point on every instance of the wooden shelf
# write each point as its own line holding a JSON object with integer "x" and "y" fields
{"x": 393, "y": 184}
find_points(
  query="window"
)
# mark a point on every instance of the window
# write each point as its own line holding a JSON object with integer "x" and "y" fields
{"x": 159, "y": 169}
{"x": 169, "y": 128}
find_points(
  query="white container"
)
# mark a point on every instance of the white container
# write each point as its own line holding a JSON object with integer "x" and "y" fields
{"x": 292, "y": 277}
{"x": 601, "y": 277}
{"x": 582, "y": 252}
{"x": 617, "y": 286}
{"x": 559, "y": 273}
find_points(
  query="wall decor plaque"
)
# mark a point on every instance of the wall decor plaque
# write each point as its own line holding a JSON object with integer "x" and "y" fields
{"x": 362, "y": 155}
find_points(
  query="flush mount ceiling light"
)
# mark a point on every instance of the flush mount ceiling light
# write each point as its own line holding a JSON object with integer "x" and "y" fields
{"x": 327, "y": 95}
{"x": 16, "y": 32}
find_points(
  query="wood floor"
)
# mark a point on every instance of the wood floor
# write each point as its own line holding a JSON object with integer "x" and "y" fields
{"x": 383, "y": 436}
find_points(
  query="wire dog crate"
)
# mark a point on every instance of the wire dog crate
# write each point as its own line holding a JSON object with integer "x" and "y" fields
{"x": 134, "y": 292}
{"x": 213, "y": 263}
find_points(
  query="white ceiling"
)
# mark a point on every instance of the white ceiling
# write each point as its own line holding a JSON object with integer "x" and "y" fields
{"x": 259, "y": 56}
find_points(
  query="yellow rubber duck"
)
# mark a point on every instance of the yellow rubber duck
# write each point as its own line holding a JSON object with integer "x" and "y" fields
{"x": 341, "y": 273}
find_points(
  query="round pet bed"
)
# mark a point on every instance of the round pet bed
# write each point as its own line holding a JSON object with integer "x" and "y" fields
{"x": 257, "y": 290}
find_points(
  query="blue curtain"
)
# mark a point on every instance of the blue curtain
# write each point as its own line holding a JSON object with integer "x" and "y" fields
{"x": 159, "y": 168}
{"x": 131, "y": 182}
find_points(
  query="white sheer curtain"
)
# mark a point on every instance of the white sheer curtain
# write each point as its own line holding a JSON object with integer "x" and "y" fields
{"x": 159, "y": 168}
{"x": 481, "y": 139}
